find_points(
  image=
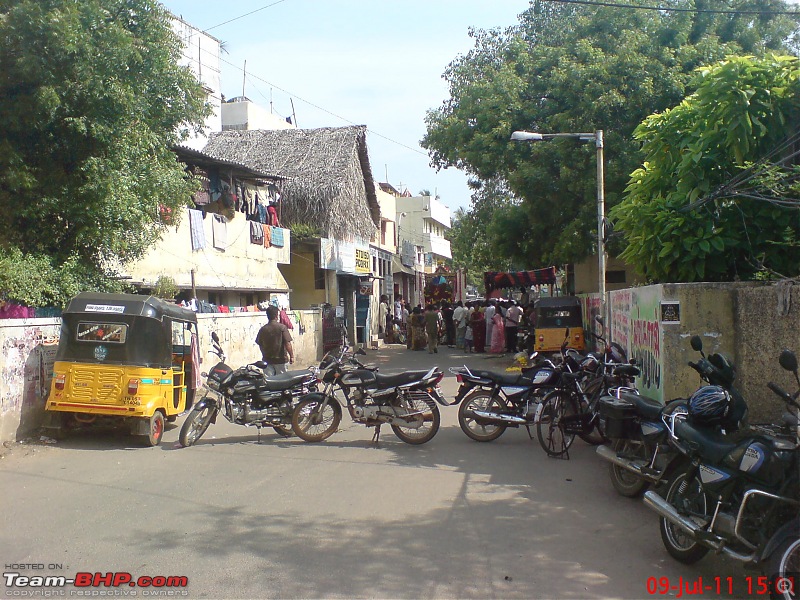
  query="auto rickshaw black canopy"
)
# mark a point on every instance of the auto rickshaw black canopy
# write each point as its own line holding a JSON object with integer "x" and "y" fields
{"x": 558, "y": 311}
{"x": 148, "y": 329}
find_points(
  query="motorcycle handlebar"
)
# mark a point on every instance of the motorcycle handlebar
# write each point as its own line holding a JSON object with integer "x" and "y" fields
{"x": 779, "y": 391}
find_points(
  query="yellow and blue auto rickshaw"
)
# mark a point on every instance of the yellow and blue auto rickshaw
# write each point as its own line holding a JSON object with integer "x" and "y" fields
{"x": 124, "y": 359}
{"x": 552, "y": 317}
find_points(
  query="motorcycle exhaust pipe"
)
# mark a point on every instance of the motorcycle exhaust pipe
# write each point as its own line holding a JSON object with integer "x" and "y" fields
{"x": 666, "y": 510}
{"x": 496, "y": 418}
{"x": 608, "y": 454}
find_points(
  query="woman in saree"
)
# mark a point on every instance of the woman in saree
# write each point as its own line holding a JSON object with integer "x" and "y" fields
{"x": 498, "y": 341}
{"x": 478, "y": 324}
{"x": 419, "y": 340}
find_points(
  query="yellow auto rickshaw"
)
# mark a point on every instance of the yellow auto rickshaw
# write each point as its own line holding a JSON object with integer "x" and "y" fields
{"x": 124, "y": 359}
{"x": 552, "y": 317}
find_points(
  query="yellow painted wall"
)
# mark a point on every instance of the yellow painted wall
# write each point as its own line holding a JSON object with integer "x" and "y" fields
{"x": 299, "y": 276}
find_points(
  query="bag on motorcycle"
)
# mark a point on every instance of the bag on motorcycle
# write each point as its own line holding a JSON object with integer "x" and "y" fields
{"x": 619, "y": 416}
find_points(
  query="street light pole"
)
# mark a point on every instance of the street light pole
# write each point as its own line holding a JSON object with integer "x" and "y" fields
{"x": 597, "y": 138}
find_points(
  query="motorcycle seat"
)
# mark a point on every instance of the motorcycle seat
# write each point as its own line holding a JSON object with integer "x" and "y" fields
{"x": 385, "y": 380}
{"x": 504, "y": 378}
{"x": 711, "y": 444}
{"x": 645, "y": 407}
{"x": 285, "y": 381}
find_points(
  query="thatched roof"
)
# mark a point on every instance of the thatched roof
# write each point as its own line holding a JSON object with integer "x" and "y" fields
{"x": 329, "y": 185}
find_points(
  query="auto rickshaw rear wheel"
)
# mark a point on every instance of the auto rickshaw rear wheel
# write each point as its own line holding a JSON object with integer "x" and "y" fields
{"x": 156, "y": 429}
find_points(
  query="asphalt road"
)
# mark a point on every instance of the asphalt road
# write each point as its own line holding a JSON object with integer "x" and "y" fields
{"x": 340, "y": 519}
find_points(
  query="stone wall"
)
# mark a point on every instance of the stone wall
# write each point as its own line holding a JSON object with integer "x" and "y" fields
{"x": 28, "y": 348}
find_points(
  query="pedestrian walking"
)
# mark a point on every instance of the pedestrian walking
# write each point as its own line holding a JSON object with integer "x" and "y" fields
{"x": 513, "y": 318}
{"x": 275, "y": 343}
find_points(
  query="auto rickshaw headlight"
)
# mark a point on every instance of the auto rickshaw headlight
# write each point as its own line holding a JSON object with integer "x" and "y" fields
{"x": 61, "y": 380}
{"x": 133, "y": 387}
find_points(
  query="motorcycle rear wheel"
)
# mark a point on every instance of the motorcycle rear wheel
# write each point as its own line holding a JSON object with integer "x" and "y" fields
{"x": 314, "y": 422}
{"x": 690, "y": 501}
{"x": 477, "y": 429}
{"x": 549, "y": 430}
{"x": 627, "y": 483}
{"x": 782, "y": 567}
{"x": 430, "y": 421}
{"x": 196, "y": 423}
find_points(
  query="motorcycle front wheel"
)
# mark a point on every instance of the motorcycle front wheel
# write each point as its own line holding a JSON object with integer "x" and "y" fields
{"x": 428, "y": 420}
{"x": 686, "y": 495}
{"x": 476, "y": 428}
{"x": 196, "y": 423}
{"x": 314, "y": 421}
{"x": 626, "y": 482}
{"x": 783, "y": 567}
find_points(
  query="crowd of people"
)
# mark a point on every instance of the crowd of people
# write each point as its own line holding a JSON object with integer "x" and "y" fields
{"x": 475, "y": 326}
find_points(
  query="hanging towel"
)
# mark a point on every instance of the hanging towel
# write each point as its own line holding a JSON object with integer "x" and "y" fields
{"x": 219, "y": 228}
{"x": 196, "y": 228}
{"x": 256, "y": 233}
{"x": 277, "y": 237}
{"x": 267, "y": 235}
{"x": 197, "y": 378}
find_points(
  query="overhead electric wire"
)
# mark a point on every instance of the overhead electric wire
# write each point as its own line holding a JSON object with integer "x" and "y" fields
{"x": 325, "y": 110}
{"x": 677, "y": 9}
{"x": 242, "y": 16}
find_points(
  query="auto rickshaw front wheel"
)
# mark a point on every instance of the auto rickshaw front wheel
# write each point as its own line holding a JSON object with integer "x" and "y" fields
{"x": 155, "y": 429}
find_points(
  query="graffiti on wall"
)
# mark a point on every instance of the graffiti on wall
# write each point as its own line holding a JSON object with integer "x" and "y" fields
{"x": 645, "y": 339}
{"x": 621, "y": 318}
{"x": 26, "y": 370}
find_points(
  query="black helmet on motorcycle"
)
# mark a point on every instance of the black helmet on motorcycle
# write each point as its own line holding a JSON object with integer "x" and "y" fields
{"x": 709, "y": 405}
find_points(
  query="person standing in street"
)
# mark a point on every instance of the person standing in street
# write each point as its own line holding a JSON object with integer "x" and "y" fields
{"x": 449, "y": 324}
{"x": 385, "y": 319}
{"x": 513, "y": 317}
{"x": 491, "y": 308}
{"x": 432, "y": 328}
{"x": 275, "y": 343}
{"x": 460, "y": 322}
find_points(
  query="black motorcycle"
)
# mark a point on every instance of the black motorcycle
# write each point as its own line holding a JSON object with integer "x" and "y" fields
{"x": 246, "y": 396}
{"x": 638, "y": 427}
{"x": 740, "y": 498}
{"x": 406, "y": 401}
{"x": 493, "y": 401}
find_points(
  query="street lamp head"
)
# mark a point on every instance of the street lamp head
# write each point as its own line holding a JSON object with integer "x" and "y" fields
{"x": 526, "y": 136}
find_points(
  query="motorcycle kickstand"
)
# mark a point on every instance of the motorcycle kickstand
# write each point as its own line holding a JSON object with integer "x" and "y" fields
{"x": 528, "y": 428}
{"x": 258, "y": 428}
{"x": 377, "y": 435}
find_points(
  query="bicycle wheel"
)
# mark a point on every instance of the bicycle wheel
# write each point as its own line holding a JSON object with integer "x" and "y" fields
{"x": 550, "y": 430}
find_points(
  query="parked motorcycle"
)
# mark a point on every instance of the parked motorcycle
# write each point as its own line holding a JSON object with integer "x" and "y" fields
{"x": 493, "y": 401}
{"x": 246, "y": 396}
{"x": 639, "y": 426}
{"x": 406, "y": 401}
{"x": 740, "y": 498}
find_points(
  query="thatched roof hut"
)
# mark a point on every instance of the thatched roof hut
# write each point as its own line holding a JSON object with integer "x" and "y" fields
{"x": 329, "y": 179}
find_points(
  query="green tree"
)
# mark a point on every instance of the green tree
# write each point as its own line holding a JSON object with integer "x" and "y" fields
{"x": 576, "y": 68}
{"x": 489, "y": 236}
{"x": 92, "y": 101}
{"x": 685, "y": 216}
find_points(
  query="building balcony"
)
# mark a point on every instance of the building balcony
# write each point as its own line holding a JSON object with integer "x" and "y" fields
{"x": 436, "y": 244}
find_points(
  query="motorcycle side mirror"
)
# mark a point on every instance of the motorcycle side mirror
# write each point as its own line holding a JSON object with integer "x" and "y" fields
{"x": 697, "y": 343}
{"x": 361, "y": 352}
{"x": 788, "y": 360}
{"x": 599, "y": 319}
{"x": 214, "y": 336}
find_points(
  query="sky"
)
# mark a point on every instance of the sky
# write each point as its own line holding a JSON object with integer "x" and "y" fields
{"x": 377, "y": 63}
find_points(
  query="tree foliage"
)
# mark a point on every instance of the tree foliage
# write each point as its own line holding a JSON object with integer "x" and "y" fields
{"x": 577, "y": 68}
{"x": 487, "y": 237}
{"x": 92, "y": 101}
{"x": 742, "y": 108}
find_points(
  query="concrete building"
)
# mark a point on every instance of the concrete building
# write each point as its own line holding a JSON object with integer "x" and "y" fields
{"x": 424, "y": 222}
{"x": 201, "y": 53}
{"x": 241, "y": 113}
